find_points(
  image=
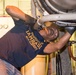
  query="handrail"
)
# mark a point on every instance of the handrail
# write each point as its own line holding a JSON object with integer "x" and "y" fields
{"x": 70, "y": 50}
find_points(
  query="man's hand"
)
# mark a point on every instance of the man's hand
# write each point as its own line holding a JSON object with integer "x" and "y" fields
{"x": 70, "y": 29}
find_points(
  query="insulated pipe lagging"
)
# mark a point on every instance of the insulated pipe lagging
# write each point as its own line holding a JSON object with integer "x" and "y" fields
{"x": 54, "y": 17}
{"x": 57, "y": 17}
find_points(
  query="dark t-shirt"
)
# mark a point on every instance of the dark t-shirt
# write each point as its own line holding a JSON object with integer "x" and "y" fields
{"x": 20, "y": 45}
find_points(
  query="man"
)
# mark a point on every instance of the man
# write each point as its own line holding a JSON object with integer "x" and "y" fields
{"x": 22, "y": 43}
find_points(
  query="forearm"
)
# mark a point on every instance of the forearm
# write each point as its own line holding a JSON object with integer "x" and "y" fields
{"x": 17, "y": 14}
{"x": 63, "y": 40}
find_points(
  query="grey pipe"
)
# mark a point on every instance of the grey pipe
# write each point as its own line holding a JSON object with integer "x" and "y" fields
{"x": 54, "y": 17}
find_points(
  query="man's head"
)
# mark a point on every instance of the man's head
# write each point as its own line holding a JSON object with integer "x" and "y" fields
{"x": 50, "y": 33}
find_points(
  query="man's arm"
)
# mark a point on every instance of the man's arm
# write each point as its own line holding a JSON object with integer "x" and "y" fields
{"x": 52, "y": 47}
{"x": 17, "y": 14}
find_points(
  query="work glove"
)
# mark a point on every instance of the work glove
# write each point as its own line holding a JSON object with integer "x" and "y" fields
{"x": 70, "y": 29}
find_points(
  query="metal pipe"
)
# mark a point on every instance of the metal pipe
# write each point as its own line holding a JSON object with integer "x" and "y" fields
{"x": 33, "y": 9}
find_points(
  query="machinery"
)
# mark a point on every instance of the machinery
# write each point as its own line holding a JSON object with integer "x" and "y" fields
{"x": 60, "y": 12}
